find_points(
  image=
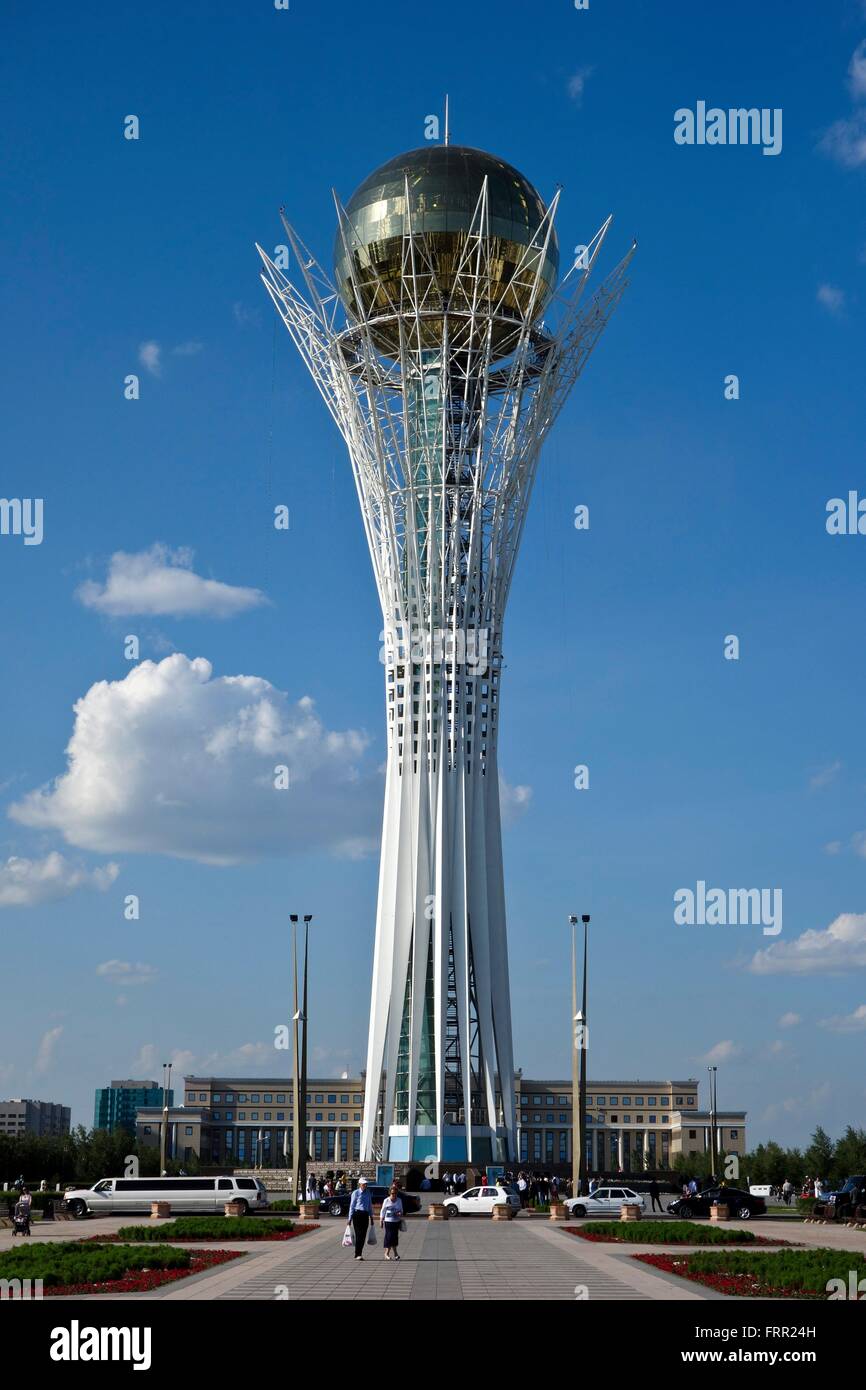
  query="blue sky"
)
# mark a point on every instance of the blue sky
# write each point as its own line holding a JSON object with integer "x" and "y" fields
{"x": 707, "y": 518}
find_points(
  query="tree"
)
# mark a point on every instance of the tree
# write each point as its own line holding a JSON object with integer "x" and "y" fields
{"x": 820, "y": 1155}
{"x": 850, "y": 1155}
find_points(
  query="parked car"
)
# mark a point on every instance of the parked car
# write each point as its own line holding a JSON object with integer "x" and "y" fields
{"x": 743, "y": 1205}
{"x": 338, "y": 1205}
{"x": 111, "y": 1195}
{"x": 764, "y": 1189}
{"x": 480, "y": 1201}
{"x": 605, "y": 1201}
{"x": 846, "y": 1202}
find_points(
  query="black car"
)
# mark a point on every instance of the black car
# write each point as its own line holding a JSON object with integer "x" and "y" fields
{"x": 849, "y": 1201}
{"x": 338, "y": 1205}
{"x": 742, "y": 1204}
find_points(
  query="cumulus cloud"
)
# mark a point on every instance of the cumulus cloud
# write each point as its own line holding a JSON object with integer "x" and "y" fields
{"x": 150, "y": 357}
{"x": 47, "y": 1045}
{"x": 160, "y": 581}
{"x": 123, "y": 972}
{"x": 789, "y": 1020}
{"x": 26, "y": 882}
{"x": 840, "y": 948}
{"x": 726, "y": 1051}
{"x": 825, "y": 775}
{"x": 831, "y": 298}
{"x": 172, "y": 760}
{"x": 577, "y": 83}
{"x": 857, "y": 72}
{"x": 847, "y": 1023}
{"x": 513, "y": 801}
{"x": 833, "y": 847}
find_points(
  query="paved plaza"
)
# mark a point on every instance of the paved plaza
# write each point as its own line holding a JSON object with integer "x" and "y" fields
{"x": 455, "y": 1261}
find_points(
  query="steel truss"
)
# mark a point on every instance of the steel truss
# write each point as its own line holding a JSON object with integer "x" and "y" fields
{"x": 444, "y": 407}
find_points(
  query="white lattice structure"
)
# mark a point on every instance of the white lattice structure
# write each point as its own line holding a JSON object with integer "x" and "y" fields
{"x": 444, "y": 397}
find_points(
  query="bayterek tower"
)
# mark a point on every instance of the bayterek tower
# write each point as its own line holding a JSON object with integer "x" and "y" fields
{"x": 444, "y": 345}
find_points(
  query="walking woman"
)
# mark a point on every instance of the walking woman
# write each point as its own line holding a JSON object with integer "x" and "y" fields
{"x": 392, "y": 1215}
{"x": 360, "y": 1216}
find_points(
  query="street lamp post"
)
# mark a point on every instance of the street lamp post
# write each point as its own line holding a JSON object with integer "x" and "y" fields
{"x": 712, "y": 1070}
{"x": 163, "y": 1138}
{"x": 578, "y": 1064}
{"x": 299, "y": 1065}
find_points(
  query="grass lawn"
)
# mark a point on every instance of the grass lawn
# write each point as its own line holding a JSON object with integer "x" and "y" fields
{"x": 801, "y": 1274}
{"x": 67, "y": 1267}
{"x": 666, "y": 1233}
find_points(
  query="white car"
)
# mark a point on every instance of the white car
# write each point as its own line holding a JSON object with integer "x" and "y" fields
{"x": 480, "y": 1201}
{"x": 605, "y": 1201}
{"x": 112, "y": 1195}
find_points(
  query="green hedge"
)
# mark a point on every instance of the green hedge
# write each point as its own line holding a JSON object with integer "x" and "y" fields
{"x": 40, "y": 1199}
{"x": 794, "y": 1269}
{"x": 77, "y": 1262}
{"x": 208, "y": 1227}
{"x": 283, "y": 1205}
{"x": 669, "y": 1233}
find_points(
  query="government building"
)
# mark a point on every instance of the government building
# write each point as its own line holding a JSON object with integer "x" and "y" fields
{"x": 633, "y": 1126}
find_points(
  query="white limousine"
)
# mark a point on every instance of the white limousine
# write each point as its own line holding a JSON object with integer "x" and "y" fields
{"x": 185, "y": 1194}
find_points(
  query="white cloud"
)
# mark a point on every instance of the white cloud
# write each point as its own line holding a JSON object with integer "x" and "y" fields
{"x": 831, "y": 298}
{"x": 160, "y": 581}
{"x": 811, "y": 1106}
{"x": 260, "y": 1058}
{"x": 825, "y": 775}
{"x": 123, "y": 972}
{"x": 845, "y": 141}
{"x": 45, "y": 1055}
{"x": 172, "y": 760}
{"x": 789, "y": 1020}
{"x": 857, "y": 72}
{"x": 150, "y": 357}
{"x": 840, "y": 948}
{"x": 847, "y": 1023}
{"x": 26, "y": 882}
{"x": 513, "y": 801}
{"x": 244, "y": 316}
{"x": 190, "y": 349}
{"x": 726, "y": 1051}
{"x": 577, "y": 83}
{"x": 833, "y": 847}
{"x": 858, "y": 843}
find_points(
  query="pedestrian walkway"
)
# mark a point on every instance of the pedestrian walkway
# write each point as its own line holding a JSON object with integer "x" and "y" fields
{"x": 450, "y": 1261}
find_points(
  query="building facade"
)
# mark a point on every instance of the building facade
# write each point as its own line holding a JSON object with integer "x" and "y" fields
{"x": 117, "y": 1105}
{"x": 633, "y": 1126}
{"x": 42, "y": 1118}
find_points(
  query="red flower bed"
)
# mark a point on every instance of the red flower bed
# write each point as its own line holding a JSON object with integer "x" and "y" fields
{"x": 203, "y": 1240}
{"x": 741, "y": 1285}
{"x": 143, "y": 1280}
{"x": 586, "y": 1234}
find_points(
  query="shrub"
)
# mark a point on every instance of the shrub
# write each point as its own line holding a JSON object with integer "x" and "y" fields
{"x": 40, "y": 1199}
{"x": 209, "y": 1228}
{"x": 73, "y": 1262}
{"x": 284, "y": 1205}
{"x": 668, "y": 1233}
{"x": 809, "y": 1270}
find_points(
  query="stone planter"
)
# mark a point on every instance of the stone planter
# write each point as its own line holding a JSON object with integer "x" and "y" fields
{"x": 630, "y": 1211}
{"x": 503, "y": 1211}
{"x": 558, "y": 1211}
{"x": 720, "y": 1212}
{"x": 307, "y": 1210}
{"x": 160, "y": 1209}
{"x": 436, "y": 1212}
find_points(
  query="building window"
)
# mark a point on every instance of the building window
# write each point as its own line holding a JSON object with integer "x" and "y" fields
{"x": 563, "y": 1100}
{"x": 679, "y": 1100}
{"x": 536, "y": 1100}
{"x": 190, "y": 1097}
{"x": 188, "y": 1129}
{"x": 332, "y": 1100}
{"x": 563, "y": 1119}
{"x": 356, "y": 1100}
{"x": 255, "y": 1099}
{"x": 693, "y": 1134}
{"x": 536, "y": 1119}
{"x": 735, "y": 1134}
{"x": 599, "y": 1100}
{"x": 638, "y": 1119}
{"x": 147, "y": 1129}
{"x": 216, "y": 1114}
{"x": 254, "y": 1115}
{"x": 626, "y": 1100}
{"x": 281, "y": 1114}
{"x": 653, "y": 1120}
{"x": 267, "y": 1114}
{"x": 242, "y": 1114}
{"x": 344, "y": 1100}
{"x": 613, "y": 1101}
{"x": 548, "y": 1100}
{"x": 318, "y": 1114}
{"x": 202, "y": 1095}
{"x": 344, "y": 1115}
{"x": 613, "y": 1117}
{"x": 268, "y": 1100}
{"x": 666, "y": 1119}
{"x": 638, "y": 1100}
{"x": 331, "y": 1115}
{"x": 281, "y": 1099}
{"x": 318, "y": 1100}
{"x": 217, "y": 1098}
{"x": 357, "y": 1117}
{"x": 665, "y": 1100}
{"x": 691, "y": 1100}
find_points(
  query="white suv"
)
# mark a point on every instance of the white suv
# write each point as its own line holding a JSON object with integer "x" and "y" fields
{"x": 480, "y": 1201}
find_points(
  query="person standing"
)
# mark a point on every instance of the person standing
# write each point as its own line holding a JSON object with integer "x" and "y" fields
{"x": 390, "y": 1218}
{"x": 655, "y": 1193}
{"x": 360, "y": 1216}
